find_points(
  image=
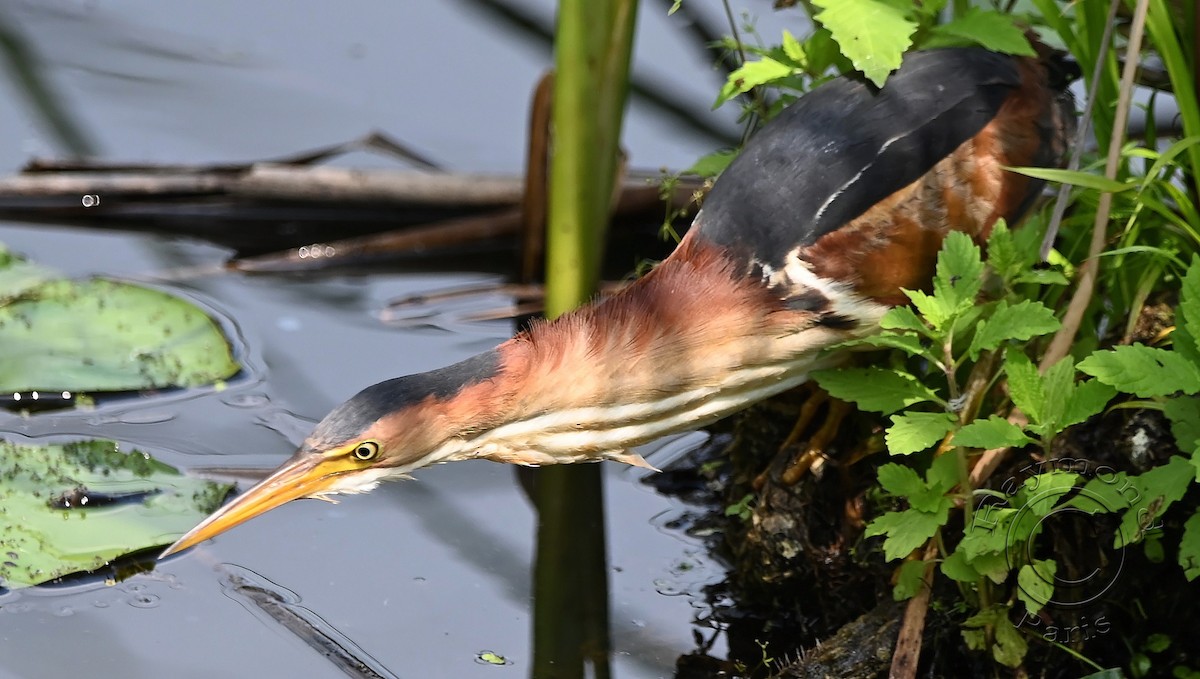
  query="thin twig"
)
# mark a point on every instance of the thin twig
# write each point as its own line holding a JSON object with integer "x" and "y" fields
{"x": 1061, "y": 343}
{"x": 908, "y": 643}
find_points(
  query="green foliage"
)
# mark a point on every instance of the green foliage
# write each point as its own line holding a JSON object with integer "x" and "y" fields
{"x": 954, "y": 331}
{"x": 119, "y": 503}
{"x": 873, "y": 34}
{"x": 1008, "y": 646}
{"x": 963, "y": 373}
{"x": 877, "y": 389}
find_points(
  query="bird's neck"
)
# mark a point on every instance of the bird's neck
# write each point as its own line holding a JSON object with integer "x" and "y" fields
{"x": 691, "y": 342}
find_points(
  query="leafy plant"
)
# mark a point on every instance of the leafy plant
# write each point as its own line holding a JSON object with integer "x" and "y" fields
{"x": 966, "y": 372}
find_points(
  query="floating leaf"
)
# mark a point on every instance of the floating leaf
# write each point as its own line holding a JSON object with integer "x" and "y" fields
{"x": 75, "y": 507}
{"x": 102, "y": 335}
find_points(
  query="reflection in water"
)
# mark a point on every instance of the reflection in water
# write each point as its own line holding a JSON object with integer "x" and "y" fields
{"x": 570, "y": 612}
{"x": 261, "y": 596}
{"x": 26, "y": 71}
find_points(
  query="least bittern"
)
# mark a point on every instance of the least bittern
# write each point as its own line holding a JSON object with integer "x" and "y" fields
{"x": 804, "y": 241}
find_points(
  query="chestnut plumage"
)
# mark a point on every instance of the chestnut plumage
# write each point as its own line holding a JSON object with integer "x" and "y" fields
{"x": 804, "y": 241}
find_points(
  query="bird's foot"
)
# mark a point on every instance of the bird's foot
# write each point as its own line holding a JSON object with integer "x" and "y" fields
{"x": 810, "y": 453}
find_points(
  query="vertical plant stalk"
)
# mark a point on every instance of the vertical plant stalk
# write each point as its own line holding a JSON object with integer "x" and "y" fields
{"x": 593, "y": 44}
{"x": 1061, "y": 344}
{"x": 1081, "y": 132}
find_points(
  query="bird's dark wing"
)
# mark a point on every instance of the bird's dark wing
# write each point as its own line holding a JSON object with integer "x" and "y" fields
{"x": 845, "y": 146}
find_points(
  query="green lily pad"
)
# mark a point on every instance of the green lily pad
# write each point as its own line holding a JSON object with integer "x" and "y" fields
{"x": 101, "y": 335}
{"x": 75, "y": 507}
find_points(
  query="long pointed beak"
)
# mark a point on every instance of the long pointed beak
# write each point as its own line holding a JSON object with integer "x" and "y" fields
{"x": 300, "y": 477}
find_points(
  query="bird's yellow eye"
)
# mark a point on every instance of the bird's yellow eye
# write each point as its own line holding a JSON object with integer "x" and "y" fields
{"x": 367, "y": 450}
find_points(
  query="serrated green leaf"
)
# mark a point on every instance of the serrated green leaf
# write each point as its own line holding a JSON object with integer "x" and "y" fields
{"x": 906, "y": 530}
{"x": 958, "y": 569}
{"x": 1189, "y": 547}
{"x": 992, "y": 30}
{"x": 1187, "y": 314}
{"x": 959, "y": 272}
{"x": 1143, "y": 371}
{"x": 1039, "y": 493}
{"x": 937, "y": 311}
{"x": 1184, "y": 414}
{"x": 1035, "y": 584}
{"x": 1042, "y": 277}
{"x": 1002, "y": 254}
{"x": 712, "y": 164}
{"x": 1086, "y": 180}
{"x": 1059, "y": 383}
{"x": 1008, "y": 646}
{"x": 903, "y": 318}
{"x": 900, "y": 480}
{"x": 871, "y": 33}
{"x": 1024, "y": 321}
{"x": 914, "y": 432}
{"x": 1141, "y": 500}
{"x": 909, "y": 344}
{"x": 1186, "y": 344}
{"x": 1025, "y": 385}
{"x": 909, "y": 580}
{"x": 988, "y": 532}
{"x": 942, "y": 475}
{"x": 793, "y": 49}
{"x": 1089, "y": 398}
{"x": 994, "y": 432}
{"x": 750, "y": 75}
{"x": 875, "y": 389}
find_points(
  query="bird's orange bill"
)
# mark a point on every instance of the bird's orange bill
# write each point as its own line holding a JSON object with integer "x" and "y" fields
{"x": 300, "y": 477}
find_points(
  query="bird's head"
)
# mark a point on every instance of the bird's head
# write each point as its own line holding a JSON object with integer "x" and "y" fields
{"x": 384, "y": 432}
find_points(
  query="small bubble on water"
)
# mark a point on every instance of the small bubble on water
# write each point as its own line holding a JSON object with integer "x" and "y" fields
{"x": 246, "y": 400}
{"x": 143, "y": 601}
{"x": 289, "y": 324}
{"x": 145, "y": 417}
{"x": 64, "y": 612}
